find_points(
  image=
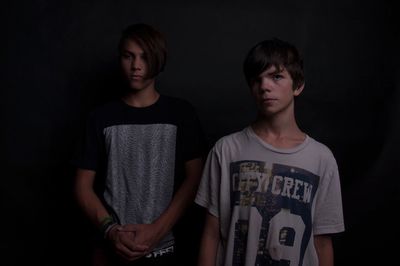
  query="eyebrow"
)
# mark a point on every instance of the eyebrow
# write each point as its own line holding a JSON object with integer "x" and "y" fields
{"x": 131, "y": 53}
{"x": 276, "y": 71}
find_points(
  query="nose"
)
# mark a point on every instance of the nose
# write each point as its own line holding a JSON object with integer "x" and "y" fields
{"x": 136, "y": 64}
{"x": 265, "y": 85}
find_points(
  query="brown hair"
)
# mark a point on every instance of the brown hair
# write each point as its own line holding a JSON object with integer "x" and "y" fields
{"x": 151, "y": 41}
{"x": 274, "y": 53}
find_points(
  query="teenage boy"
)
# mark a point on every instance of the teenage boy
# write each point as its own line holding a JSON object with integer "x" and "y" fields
{"x": 144, "y": 151}
{"x": 272, "y": 192}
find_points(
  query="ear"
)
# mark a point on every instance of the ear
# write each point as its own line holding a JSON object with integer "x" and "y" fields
{"x": 297, "y": 91}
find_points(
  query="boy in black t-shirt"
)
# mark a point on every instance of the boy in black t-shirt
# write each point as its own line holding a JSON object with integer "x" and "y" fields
{"x": 148, "y": 147}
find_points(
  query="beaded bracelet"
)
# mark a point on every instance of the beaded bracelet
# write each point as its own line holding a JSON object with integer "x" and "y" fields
{"x": 106, "y": 225}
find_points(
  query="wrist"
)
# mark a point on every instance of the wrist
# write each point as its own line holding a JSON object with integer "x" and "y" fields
{"x": 111, "y": 233}
{"x": 161, "y": 228}
{"x": 106, "y": 225}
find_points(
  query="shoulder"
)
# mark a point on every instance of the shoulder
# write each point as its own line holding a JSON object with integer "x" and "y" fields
{"x": 106, "y": 108}
{"x": 178, "y": 109}
{"x": 321, "y": 150}
{"x": 175, "y": 102}
{"x": 106, "y": 112}
{"x": 231, "y": 141}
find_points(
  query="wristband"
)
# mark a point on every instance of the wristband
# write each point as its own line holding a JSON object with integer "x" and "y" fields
{"x": 105, "y": 235}
{"x": 106, "y": 224}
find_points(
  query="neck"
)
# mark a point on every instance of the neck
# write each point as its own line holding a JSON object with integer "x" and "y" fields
{"x": 141, "y": 98}
{"x": 281, "y": 132}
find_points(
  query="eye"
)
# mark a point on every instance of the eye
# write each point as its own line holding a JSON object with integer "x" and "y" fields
{"x": 144, "y": 57}
{"x": 277, "y": 77}
{"x": 126, "y": 56}
{"x": 256, "y": 80}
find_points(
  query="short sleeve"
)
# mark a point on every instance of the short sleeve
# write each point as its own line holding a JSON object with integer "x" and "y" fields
{"x": 90, "y": 146}
{"x": 209, "y": 189}
{"x": 328, "y": 216}
{"x": 193, "y": 140}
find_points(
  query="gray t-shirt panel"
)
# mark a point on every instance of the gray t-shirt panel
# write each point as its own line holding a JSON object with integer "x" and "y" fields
{"x": 270, "y": 202}
{"x": 140, "y": 172}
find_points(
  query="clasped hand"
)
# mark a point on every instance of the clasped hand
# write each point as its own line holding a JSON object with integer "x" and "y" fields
{"x": 133, "y": 241}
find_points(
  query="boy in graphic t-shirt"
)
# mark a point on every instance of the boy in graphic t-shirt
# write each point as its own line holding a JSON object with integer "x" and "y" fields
{"x": 272, "y": 192}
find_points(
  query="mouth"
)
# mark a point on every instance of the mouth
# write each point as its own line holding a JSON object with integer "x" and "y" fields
{"x": 269, "y": 100}
{"x": 136, "y": 77}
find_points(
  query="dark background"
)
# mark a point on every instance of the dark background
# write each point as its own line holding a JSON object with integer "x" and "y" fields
{"x": 59, "y": 60}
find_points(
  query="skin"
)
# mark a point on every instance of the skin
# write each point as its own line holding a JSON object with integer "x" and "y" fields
{"x": 274, "y": 95}
{"x": 134, "y": 68}
{"x": 90, "y": 203}
{"x": 132, "y": 241}
{"x": 324, "y": 247}
{"x": 275, "y": 124}
{"x": 209, "y": 241}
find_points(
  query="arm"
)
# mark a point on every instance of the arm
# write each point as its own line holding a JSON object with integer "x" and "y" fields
{"x": 209, "y": 241}
{"x": 95, "y": 210}
{"x": 324, "y": 248}
{"x": 183, "y": 197}
{"x": 87, "y": 198}
{"x": 151, "y": 234}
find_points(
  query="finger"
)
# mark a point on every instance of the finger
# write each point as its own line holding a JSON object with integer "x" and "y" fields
{"x": 136, "y": 247}
{"x": 126, "y": 231}
{"x": 128, "y": 238}
{"x": 129, "y": 255}
{"x": 122, "y": 255}
{"x": 141, "y": 248}
{"x": 129, "y": 258}
{"x": 137, "y": 255}
{"x": 128, "y": 227}
{"x": 127, "y": 234}
{"x": 130, "y": 244}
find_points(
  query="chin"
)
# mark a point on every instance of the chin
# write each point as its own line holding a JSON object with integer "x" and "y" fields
{"x": 135, "y": 89}
{"x": 266, "y": 113}
{"x": 134, "y": 86}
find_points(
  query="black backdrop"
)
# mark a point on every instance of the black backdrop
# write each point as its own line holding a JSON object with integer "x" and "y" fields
{"x": 59, "y": 60}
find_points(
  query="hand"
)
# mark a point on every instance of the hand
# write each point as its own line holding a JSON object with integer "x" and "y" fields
{"x": 124, "y": 244}
{"x": 146, "y": 235}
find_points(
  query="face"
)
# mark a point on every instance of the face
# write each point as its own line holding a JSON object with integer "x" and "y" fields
{"x": 273, "y": 91}
{"x": 134, "y": 66}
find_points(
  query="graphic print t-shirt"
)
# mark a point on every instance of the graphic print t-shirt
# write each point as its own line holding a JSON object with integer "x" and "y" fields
{"x": 140, "y": 152}
{"x": 270, "y": 202}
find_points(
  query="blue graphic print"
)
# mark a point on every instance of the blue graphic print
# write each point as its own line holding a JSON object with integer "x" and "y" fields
{"x": 279, "y": 199}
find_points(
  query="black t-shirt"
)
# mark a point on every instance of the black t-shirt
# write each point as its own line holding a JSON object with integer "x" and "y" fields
{"x": 139, "y": 155}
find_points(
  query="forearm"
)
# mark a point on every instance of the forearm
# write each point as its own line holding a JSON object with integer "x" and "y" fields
{"x": 182, "y": 198}
{"x": 324, "y": 248}
{"x": 87, "y": 199}
{"x": 92, "y": 206}
{"x": 209, "y": 242}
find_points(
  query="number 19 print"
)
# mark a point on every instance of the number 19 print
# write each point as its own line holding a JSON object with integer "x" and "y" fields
{"x": 276, "y": 201}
